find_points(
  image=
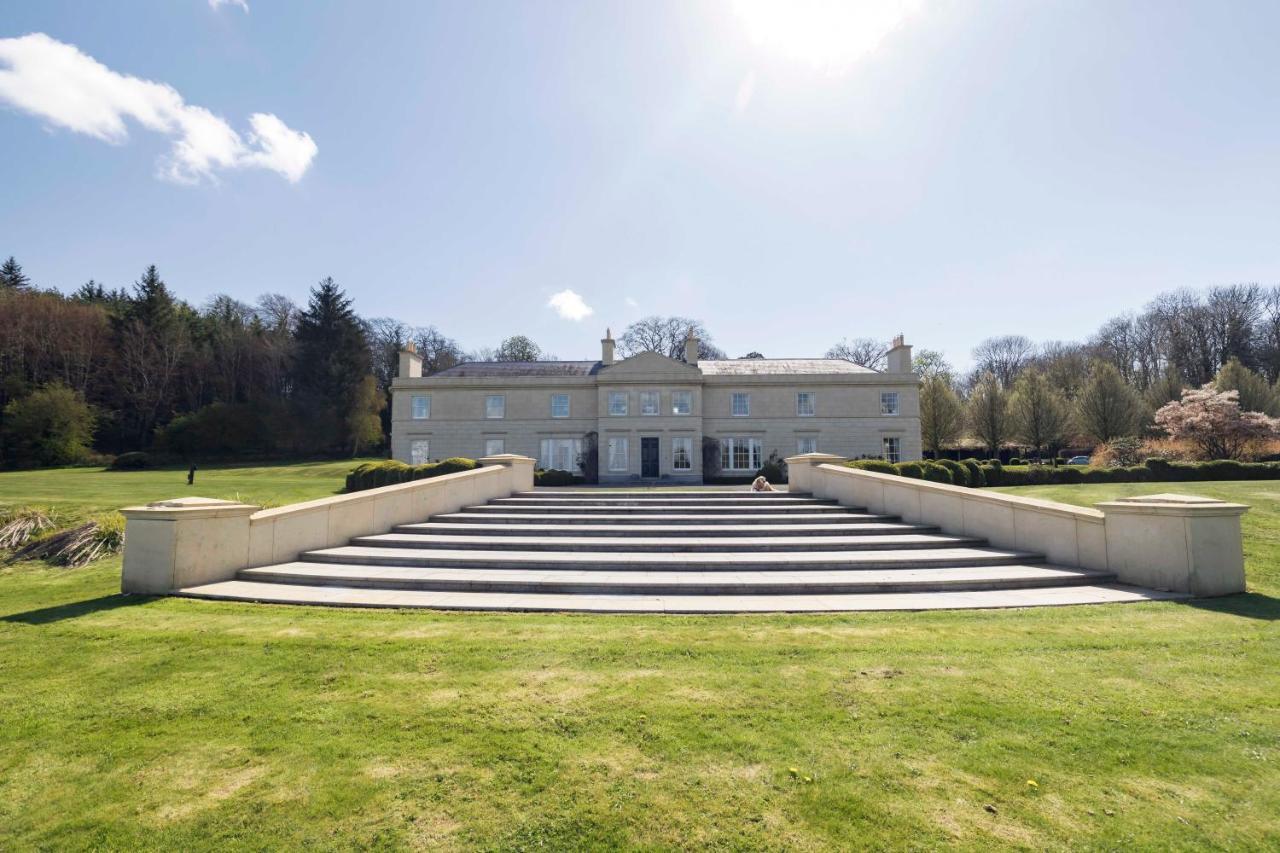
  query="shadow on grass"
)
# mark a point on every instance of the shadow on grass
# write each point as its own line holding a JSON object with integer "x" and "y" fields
{"x": 1252, "y": 605}
{"x": 76, "y": 609}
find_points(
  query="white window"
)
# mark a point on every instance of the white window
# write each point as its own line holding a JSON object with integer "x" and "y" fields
{"x": 493, "y": 446}
{"x": 495, "y": 406}
{"x": 649, "y": 402}
{"x": 419, "y": 451}
{"x": 562, "y": 454}
{"x": 807, "y": 444}
{"x": 740, "y": 454}
{"x": 559, "y": 405}
{"x": 888, "y": 402}
{"x": 741, "y": 405}
{"x": 421, "y": 408}
{"x": 892, "y": 449}
{"x": 617, "y": 402}
{"x": 681, "y": 402}
{"x": 617, "y": 454}
{"x": 804, "y": 404}
{"x": 682, "y": 454}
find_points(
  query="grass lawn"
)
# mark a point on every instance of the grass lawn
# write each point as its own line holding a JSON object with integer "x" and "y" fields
{"x": 175, "y": 724}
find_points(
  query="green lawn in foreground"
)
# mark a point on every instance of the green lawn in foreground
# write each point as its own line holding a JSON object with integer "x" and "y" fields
{"x": 84, "y": 491}
{"x": 176, "y": 724}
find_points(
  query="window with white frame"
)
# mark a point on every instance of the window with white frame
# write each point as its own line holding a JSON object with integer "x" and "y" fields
{"x": 494, "y": 446}
{"x": 888, "y": 402}
{"x": 804, "y": 404}
{"x": 649, "y": 402}
{"x": 741, "y": 405}
{"x": 562, "y": 454}
{"x": 421, "y": 407}
{"x": 740, "y": 454}
{"x": 807, "y": 444}
{"x": 559, "y": 405}
{"x": 681, "y": 402}
{"x": 495, "y": 406}
{"x": 617, "y": 454}
{"x": 892, "y": 449}
{"x": 617, "y": 403}
{"x": 420, "y": 451}
{"x": 682, "y": 453}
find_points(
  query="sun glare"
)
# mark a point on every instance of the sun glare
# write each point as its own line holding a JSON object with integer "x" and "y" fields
{"x": 828, "y": 35}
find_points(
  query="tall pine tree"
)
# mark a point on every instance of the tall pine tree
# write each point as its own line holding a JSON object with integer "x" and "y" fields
{"x": 12, "y": 277}
{"x": 331, "y": 362}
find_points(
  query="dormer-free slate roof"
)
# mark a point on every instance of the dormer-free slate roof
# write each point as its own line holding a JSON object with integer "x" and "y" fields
{"x": 780, "y": 367}
{"x": 498, "y": 369}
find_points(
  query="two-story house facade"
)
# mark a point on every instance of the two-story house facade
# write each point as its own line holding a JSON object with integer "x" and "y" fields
{"x": 653, "y": 418}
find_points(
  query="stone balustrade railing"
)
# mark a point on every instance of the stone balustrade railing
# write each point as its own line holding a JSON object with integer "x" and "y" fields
{"x": 1172, "y": 542}
{"x": 188, "y": 541}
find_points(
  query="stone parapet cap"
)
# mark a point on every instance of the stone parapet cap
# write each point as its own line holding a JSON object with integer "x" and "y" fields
{"x": 815, "y": 459}
{"x": 189, "y": 508}
{"x": 506, "y": 459}
{"x": 1172, "y": 504}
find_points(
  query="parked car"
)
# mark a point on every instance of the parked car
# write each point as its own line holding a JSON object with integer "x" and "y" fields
{"x": 1078, "y": 460}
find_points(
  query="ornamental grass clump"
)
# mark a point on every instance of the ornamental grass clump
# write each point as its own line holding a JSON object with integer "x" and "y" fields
{"x": 77, "y": 546}
{"x": 19, "y": 526}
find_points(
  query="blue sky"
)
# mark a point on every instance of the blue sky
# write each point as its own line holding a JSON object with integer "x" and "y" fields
{"x": 952, "y": 171}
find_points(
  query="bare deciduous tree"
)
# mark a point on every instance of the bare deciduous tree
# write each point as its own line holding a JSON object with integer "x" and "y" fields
{"x": 868, "y": 352}
{"x": 666, "y": 336}
{"x": 1003, "y": 357}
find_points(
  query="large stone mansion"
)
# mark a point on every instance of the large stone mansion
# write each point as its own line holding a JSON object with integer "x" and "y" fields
{"x": 649, "y": 414}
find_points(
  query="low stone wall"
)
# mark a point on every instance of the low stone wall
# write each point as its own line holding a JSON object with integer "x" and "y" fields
{"x": 1171, "y": 542}
{"x": 189, "y": 541}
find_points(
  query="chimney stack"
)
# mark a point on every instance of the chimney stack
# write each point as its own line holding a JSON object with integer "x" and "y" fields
{"x": 606, "y": 348}
{"x": 899, "y": 356}
{"x": 410, "y": 362}
{"x": 691, "y": 350}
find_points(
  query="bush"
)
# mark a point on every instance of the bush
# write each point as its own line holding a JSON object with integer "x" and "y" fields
{"x": 878, "y": 465}
{"x": 1120, "y": 453}
{"x": 935, "y": 473}
{"x": 50, "y": 426}
{"x": 977, "y": 477}
{"x": 556, "y": 477}
{"x": 910, "y": 469}
{"x": 1068, "y": 476}
{"x": 959, "y": 473}
{"x": 774, "y": 469}
{"x": 992, "y": 475}
{"x": 1016, "y": 460}
{"x": 135, "y": 461}
{"x": 372, "y": 475}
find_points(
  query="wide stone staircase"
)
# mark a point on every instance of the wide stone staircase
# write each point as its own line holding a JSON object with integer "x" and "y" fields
{"x": 704, "y": 551}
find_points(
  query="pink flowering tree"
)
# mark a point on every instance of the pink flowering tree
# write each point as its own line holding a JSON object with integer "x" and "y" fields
{"x": 1212, "y": 421}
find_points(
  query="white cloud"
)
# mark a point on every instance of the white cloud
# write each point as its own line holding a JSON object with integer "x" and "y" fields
{"x": 243, "y": 4}
{"x": 631, "y": 302}
{"x": 55, "y": 81}
{"x": 570, "y": 306}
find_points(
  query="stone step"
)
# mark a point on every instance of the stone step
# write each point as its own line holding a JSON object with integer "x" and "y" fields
{"x": 656, "y": 492}
{"x": 676, "y": 583}
{"x": 669, "y": 530}
{"x": 741, "y": 500}
{"x": 647, "y": 518}
{"x": 656, "y": 544}
{"x": 337, "y": 596}
{"x": 745, "y": 508}
{"x": 622, "y": 561}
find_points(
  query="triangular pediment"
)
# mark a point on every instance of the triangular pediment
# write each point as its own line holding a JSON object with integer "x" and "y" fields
{"x": 649, "y": 364}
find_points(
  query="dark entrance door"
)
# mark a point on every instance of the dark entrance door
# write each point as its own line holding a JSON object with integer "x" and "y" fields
{"x": 648, "y": 456}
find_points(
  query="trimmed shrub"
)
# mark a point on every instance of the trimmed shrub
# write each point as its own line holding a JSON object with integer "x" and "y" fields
{"x": 389, "y": 472}
{"x": 910, "y": 469}
{"x": 134, "y": 461}
{"x": 557, "y": 477}
{"x": 959, "y": 473}
{"x": 1068, "y": 476}
{"x": 774, "y": 469}
{"x": 936, "y": 473}
{"x": 878, "y": 465}
{"x": 1016, "y": 460}
{"x": 977, "y": 477}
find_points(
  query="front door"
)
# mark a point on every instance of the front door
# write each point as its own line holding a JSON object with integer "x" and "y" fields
{"x": 648, "y": 456}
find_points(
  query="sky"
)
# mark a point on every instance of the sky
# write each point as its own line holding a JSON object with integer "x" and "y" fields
{"x": 790, "y": 173}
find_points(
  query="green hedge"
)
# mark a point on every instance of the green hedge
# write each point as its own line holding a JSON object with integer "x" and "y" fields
{"x": 991, "y": 473}
{"x": 556, "y": 477}
{"x": 372, "y": 475}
